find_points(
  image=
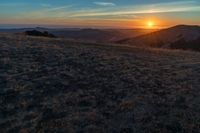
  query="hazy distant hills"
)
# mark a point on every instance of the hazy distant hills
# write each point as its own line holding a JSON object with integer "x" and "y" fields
{"x": 94, "y": 35}
{"x": 179, "y": 37}
{"x": 100, "y": 35}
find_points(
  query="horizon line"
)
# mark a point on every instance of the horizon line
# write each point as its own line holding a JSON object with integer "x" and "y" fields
{"x": 52, "y": 26}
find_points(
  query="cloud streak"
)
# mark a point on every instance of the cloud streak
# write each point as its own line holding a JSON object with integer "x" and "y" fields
{"x": 105, "y": 11}
{"x": 170, "y": 7}
{"x": 105, "y": 3}
{"x": 59, "y": 8}
{"x": 111, "y": 13}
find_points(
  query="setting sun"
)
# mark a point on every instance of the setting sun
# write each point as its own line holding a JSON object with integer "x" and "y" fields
{"x": 150, "y": 24}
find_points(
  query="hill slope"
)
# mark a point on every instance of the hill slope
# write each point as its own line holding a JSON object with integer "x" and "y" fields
{"x": 93, "y": 35}
{"x": 180, "y": 37}
{"x": 55, "y": 85}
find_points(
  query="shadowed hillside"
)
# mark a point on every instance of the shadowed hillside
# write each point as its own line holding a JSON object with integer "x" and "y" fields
{"x": 179, "y": 37}
{"x": 55, "y": 85}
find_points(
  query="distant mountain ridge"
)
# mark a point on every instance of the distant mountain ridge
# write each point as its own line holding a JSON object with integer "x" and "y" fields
{"x": 179, "y": 37}
{"x": 88, "y": 34}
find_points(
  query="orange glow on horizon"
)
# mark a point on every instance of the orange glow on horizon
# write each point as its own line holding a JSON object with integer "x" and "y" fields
{"x": 150, "y": 24}
{"x": 145, "y": 23}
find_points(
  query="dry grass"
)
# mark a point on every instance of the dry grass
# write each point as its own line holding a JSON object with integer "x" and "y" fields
{"x": 54, "y": 85}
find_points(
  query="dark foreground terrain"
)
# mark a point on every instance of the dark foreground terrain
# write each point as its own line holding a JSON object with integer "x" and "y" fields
{"x": 53, "y": 85}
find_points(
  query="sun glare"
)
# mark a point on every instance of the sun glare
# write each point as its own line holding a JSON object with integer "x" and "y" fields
{"x": 150, "y": 24}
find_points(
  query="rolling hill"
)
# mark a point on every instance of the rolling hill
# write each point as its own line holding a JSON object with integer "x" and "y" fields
{"x": 92, "y": 35}
{"x": 179, "y": 37}
{"x": 56, "y": 85}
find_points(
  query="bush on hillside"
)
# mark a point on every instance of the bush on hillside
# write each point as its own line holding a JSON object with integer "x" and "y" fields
{"x": 38, "y": 33}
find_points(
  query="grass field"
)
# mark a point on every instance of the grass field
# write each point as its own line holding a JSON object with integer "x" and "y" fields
{"x": 55, "y": 85}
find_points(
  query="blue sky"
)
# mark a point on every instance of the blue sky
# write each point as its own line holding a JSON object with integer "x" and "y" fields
{"x": 116, "y": 13}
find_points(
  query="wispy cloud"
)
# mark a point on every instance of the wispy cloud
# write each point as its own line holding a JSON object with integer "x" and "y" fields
{"x": 45, "y": 5}
{"x": 59, "y": 8}
{"x": 108, "y": 12}
{"x": 181, "y": 6}
{"x": 104, "y": 3}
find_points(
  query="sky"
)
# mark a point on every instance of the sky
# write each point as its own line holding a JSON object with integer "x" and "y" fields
{"x": 100, "y": 13}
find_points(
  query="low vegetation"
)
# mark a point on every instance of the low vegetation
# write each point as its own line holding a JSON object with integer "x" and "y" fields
{"x": 55, "y": 85}
{"x": 39, "y": 33}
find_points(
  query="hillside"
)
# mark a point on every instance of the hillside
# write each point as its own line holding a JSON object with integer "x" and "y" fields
{"x": 179, "y": 37}
{"x": 56, "y": 85}
{"x": 92, "y": 35}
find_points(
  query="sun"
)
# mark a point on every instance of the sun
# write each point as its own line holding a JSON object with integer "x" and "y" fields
{"x": 150, "y": 24}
